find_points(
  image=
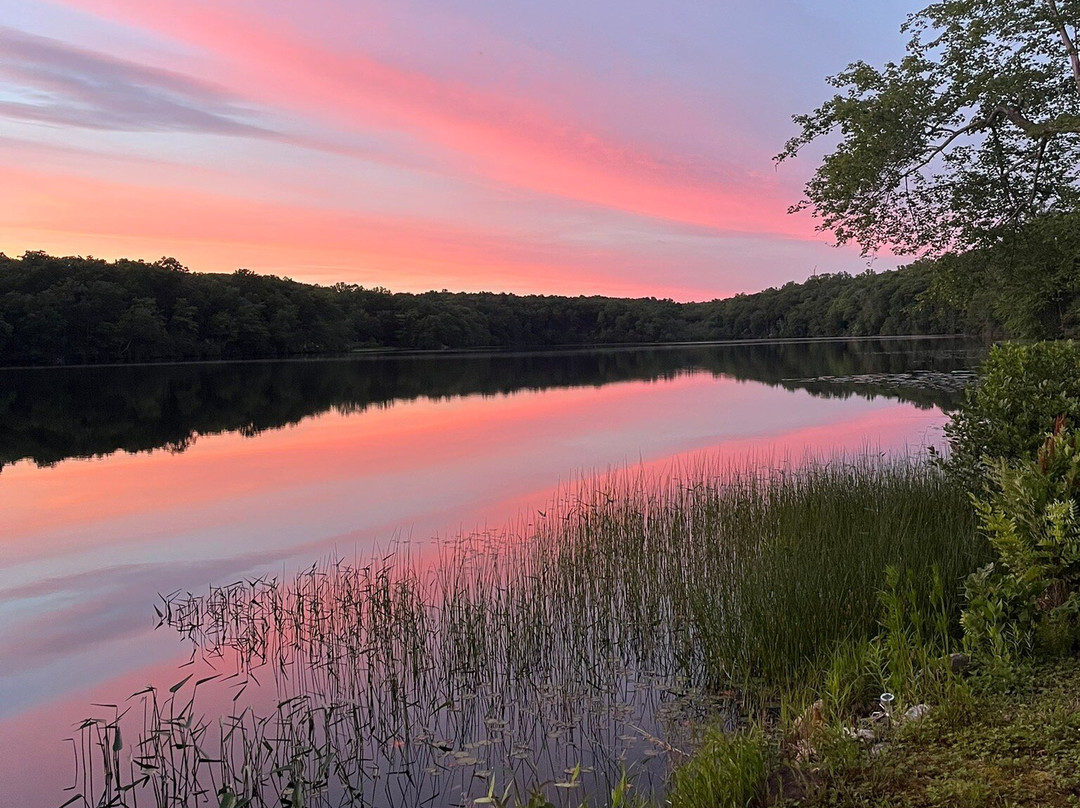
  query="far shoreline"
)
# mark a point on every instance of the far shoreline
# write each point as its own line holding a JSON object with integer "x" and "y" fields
{"x": 406, "y": 353}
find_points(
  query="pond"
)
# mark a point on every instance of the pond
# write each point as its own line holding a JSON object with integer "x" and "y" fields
{"x": 280, "y": 530}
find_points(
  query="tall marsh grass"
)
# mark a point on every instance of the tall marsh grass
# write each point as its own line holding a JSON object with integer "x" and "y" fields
{"x": 746, "y": 574}
{"x": 558, "y": 651}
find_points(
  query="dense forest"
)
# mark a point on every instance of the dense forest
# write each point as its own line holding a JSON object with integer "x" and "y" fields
{"x": 85, "y": 310}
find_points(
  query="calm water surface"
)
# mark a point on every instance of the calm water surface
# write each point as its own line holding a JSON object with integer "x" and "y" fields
{"x": 118, "y": 485}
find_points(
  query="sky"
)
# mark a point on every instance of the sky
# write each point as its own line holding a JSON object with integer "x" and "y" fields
{"x": 615, "y": 147}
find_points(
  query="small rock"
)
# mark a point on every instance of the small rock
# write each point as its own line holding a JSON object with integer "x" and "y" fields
{"x": 810, "y": 721}
{"x": 917, "y": 713}
{"x": 958, "y": 663}
{"x": 804, "y": 751}
{"x": 863, "y": 735}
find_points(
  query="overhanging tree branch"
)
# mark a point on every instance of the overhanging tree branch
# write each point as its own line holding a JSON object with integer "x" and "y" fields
{"x": 976, "y": 129}
{"x": 1064, "y": 123}
{"x": 978, "y": 125}
{"x": 1066, "y": 40}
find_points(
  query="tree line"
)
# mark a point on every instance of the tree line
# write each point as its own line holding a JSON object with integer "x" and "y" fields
{"x": 75, "y": 310}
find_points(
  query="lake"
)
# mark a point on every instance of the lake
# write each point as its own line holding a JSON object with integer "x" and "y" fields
{"x": 161, "y": 522}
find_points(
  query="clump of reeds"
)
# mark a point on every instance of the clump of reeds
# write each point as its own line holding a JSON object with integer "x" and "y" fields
{"x": 521, "y": 652}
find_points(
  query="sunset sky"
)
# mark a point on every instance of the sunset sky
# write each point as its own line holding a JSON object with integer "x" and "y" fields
{"x": 615, "y": 147}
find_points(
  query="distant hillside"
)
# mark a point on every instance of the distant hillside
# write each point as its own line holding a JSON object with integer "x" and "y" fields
{"x": 85, "y": 310}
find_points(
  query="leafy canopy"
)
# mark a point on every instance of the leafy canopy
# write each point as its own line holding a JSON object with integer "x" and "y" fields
{"x": 1023, "y": 390}
{"x": 974, "y": 132}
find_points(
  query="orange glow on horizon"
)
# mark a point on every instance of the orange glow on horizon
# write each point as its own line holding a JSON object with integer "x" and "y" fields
{"x": 72, "y": 215}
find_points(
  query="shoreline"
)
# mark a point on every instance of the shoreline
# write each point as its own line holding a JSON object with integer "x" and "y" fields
{"x": 407, "y": 353}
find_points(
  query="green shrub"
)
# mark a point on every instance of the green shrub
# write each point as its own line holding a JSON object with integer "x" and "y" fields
{"x": 1023, "y": 389}
{"x": 1028, "y": 599}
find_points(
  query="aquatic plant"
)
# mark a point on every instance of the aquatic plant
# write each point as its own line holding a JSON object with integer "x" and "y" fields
{"x": 549, "y": 655}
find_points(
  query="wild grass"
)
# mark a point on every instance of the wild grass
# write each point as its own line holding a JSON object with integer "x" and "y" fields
{"x": 727, "y": 771}
{"x": 558, "y": 650}
{"x": 757, "y": 574}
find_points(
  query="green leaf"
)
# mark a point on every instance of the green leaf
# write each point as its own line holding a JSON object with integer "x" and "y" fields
{"x": 181, "y": 683}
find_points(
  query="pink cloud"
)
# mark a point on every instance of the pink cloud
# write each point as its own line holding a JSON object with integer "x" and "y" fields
{"x": 494, "y": 136}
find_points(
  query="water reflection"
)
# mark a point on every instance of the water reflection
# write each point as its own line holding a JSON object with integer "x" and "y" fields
{"x": 283, "y": 463}
{"x": 48, "y": 415}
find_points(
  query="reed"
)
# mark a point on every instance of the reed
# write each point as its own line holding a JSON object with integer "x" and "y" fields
{"x": 550, "y": 655}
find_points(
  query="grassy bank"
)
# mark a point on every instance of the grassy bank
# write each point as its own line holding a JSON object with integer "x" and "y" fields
{"x": 1017, "y": 747}
{"x": 999, "y": 727}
